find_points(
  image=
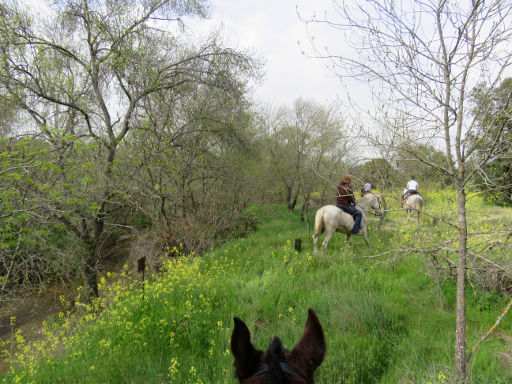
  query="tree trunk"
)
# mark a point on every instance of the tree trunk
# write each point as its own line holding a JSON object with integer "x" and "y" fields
{"x": 90, "y": 276}
{"x": 304, "y": 213}
{"x": 163, "y": 212}
{"x": 292, "y": 204}
{"x": 460, "y": 331}
{"x": 288, "y": 196}
{"x": 384, "y": 210}
{"x": 308, "y": 225}
{"x": 90, "y": 271}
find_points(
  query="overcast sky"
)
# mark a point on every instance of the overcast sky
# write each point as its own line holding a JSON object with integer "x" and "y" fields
{"x": 273, "y": 29}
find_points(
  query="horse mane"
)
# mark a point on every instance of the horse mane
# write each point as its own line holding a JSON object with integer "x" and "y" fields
{"x": 274, "y": 356}
{"x": 363, "y": 201}
{"x": 366, "y": 201}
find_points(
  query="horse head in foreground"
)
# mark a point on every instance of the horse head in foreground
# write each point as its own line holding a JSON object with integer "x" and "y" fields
{"x": 276, "y": 364}
{"x": 330, "y": 219}
{"x": 413, "y": 203}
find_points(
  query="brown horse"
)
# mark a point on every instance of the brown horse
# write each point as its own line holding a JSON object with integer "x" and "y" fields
{"x": 276, "y": 364}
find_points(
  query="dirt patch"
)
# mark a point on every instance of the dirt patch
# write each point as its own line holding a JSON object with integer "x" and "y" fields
{"x": 30, "y": 311}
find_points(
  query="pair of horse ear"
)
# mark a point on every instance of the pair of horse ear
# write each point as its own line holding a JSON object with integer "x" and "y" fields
{"x": 306, "y": 356}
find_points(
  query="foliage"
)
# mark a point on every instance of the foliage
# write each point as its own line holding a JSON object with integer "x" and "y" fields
{"x": 425, "y": 162}
{"x": 380, "y": 173}
{"x": 243, "y": 225}
{"x": 303, "y": 147}
{"x": 494, "y": 139}
{"x": 34, "y": 249}
{"x": 91, "y": 80}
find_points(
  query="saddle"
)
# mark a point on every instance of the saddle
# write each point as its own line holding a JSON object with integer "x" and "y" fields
{"x": 410, "y": 194}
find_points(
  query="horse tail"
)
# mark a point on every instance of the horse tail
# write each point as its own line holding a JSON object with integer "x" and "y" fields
{"x": 319, "y": 220}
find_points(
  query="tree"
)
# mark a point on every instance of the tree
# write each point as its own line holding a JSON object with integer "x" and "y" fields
{"x": 423, "y": 59}
{"x": 83, "y": 77}
{"x": 379, "y": 172}
{"x": 284, "y": 161}
{"x": 32, "y": 251}
{"x": 409, "y": 164}
{"x": 305, "y": 143}
{"x": 325, "y": 153}
{"x": 191, "y": 163}
{"x": 494, "y": 178}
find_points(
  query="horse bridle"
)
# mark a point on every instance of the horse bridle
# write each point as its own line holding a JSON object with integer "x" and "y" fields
{"x": 285, "y": 367}
{"x": 380, "y": 205}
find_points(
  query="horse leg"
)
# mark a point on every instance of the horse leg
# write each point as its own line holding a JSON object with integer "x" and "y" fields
{"x": 328, "y": 235}
{"x": 408, "y": 213}
{"x": 417, "y": 218}
{"x": 349, "y": 235}
{"x": 365, "y": 235}
{"x": 315, "y": 241}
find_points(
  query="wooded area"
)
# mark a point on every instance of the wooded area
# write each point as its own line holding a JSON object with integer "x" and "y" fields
{"x": 116, "y": 125}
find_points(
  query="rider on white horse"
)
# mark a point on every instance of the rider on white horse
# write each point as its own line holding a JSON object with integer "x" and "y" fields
{"x": 411, "y": 189}
{"x": 367, "y": 188}
{"x": 345, "y": 201}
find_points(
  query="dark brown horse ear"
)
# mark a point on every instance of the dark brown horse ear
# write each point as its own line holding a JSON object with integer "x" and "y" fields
{"x": 247, "y": 358}
{"x": 311, "y": 347}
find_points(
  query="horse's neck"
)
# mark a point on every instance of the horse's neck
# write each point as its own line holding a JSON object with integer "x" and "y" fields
{"x": 365, "y": 202}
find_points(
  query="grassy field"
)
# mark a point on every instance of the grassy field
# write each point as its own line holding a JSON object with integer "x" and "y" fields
{"x": 387, "y": 319}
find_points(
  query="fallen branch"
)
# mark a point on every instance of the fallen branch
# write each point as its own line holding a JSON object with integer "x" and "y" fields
{"x": 491, "y": 330}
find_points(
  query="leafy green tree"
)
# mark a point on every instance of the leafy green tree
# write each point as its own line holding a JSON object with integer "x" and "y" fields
{"x": 191, "y": 163}
{"x": 326, "y": 153}
{"x": 493, "y": 109}
{"x": 380, "y": 173}
{"x": 306, "y": 147}
{"x": 425, "y": 162}
{"x": 34, "y": 250}
{"x": 83, "y": 76}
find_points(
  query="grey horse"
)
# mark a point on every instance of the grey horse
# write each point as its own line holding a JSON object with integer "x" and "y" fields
{"x": 414, "y": 203}
{"x": 330, "y": 219}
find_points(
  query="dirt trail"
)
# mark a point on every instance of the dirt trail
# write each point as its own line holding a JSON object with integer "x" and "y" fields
{"x": 29, "y": 311}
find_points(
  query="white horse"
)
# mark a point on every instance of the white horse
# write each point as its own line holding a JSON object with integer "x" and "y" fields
{"x": 414, "y": 203}
{"x": 330, "y": 219}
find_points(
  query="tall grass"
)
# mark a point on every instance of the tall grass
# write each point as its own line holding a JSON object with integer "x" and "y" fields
{"x": 384, "y": 323}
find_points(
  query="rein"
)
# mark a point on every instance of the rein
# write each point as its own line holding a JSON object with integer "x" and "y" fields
{"x": 285, "y": 367}
{"x": 367, "y": 211}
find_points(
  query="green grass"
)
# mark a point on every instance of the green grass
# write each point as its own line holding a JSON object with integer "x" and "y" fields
{"x": 384, "y": 323}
